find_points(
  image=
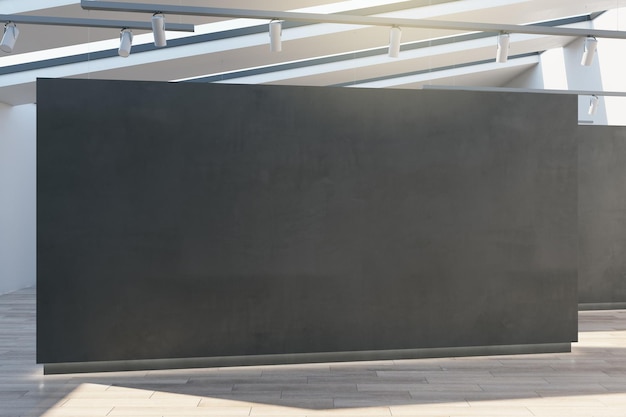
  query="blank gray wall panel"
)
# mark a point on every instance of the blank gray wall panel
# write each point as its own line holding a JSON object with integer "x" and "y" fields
{"x": 180, "y": 220}
{"x": 602, "y": 215}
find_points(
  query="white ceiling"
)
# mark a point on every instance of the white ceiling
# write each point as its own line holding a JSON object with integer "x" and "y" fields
{"x": 314, "y": 54}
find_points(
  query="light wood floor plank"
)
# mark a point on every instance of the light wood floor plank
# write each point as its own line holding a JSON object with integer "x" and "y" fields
{"x": 590, "y": 381}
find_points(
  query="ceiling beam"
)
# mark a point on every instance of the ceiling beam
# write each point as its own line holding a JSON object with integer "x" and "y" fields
{"x": 527, "y": 90}
{"x": 394, "y": 81}
{"x": 92, "y": 23}
{"x": 346, "y": 19}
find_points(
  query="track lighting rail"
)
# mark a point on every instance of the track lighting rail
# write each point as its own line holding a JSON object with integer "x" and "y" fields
{"x": 93, "y": 23}
{"x": 347, "y": 19}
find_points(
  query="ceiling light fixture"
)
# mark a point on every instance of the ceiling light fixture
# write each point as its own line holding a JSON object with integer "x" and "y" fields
{"x": 11, "y": 32}
{"x": 276, "y": 31}
{"x": 502, "y": 53}
{"x": 593, "y": 105}
{"x": 394, "y": 41}
{"x": 126, "y": 42}
{"x": 158, "y": 30}
{"x": 591, "y": 44}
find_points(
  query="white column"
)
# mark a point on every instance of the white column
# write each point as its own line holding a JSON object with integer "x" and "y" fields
{"x": 17, "y": 197}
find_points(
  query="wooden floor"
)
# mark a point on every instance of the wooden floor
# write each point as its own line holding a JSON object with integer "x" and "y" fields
{"x": 590, "y": 381}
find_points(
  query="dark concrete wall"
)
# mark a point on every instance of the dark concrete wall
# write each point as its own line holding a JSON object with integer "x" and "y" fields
{"x": 602, "y": 214}
{"x": 179, "y": 220}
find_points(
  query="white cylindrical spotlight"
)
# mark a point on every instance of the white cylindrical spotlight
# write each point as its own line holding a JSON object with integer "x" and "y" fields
{"x": 158, "y": 30}
{"x": 502, "y": 53}
{"x": 593, "y": 105}
{"x": 126, "y": 42}
{"x": 395, "y": 35}
{"x": 591, "y": 44}
{"x": 276, "y": 31}
{"x": 11, "y": 32}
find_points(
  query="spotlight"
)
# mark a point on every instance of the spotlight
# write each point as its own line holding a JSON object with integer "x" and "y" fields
{"x": 276, "y": 31}
{"x": 593, "y": 104}
{"x": 158, "y": 30}
{"x": 394, "y": 41}
{"x": 126, "y": 41}
{"x": 11, "y": 33}
{"x": 502, "y": 53}
{"x": 591, "y": 44}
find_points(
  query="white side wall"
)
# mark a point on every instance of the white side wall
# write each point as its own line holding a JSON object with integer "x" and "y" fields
{"x": 17, "y": 197}
{"x": 612, "y": 65}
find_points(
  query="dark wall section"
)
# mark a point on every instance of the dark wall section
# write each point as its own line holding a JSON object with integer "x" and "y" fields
{"x": 179, "y": 220}
{"x": 602, "y": 215}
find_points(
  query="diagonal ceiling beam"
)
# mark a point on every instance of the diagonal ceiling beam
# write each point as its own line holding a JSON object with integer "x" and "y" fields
{"x": 346, "y": 19}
